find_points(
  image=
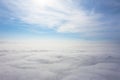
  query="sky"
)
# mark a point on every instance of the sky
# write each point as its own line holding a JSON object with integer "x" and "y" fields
{"x": 91, "y": 20}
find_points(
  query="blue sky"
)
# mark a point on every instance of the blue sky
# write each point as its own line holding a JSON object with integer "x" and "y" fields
{"x": 60, "y": 19}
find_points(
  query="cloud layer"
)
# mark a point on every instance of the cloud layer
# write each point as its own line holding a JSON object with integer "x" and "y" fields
{"x": 23, "y": 61}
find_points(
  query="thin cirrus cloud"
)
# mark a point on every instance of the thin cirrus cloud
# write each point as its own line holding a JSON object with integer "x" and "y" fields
{"x": 60, "y": 15}
{"x": 56, "y": 14}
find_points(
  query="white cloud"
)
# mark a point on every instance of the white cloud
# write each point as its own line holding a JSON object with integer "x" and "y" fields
{"x": 55, "y": 14}
{"x": 80, "y": 21}
{"x": 35, "y": 61}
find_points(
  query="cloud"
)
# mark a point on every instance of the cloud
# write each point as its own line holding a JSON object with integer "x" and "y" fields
{"x": 59, "y": 15}
{"x": 26, "y": 61}
{"x": 62, "y": 16}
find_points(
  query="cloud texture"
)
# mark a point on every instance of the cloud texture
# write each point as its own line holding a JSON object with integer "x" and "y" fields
{"x": 89, "y": 19}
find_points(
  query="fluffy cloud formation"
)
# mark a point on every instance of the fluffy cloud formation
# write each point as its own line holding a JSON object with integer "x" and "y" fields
{"x": 32, "y": 61}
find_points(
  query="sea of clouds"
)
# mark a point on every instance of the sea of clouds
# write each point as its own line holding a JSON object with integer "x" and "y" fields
{"x": 20, "y": 61}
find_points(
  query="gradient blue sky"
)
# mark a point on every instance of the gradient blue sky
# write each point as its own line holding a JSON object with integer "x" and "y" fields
{"x": 60, "y": 19}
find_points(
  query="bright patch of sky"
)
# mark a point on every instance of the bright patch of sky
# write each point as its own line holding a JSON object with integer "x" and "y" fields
{"x": 70, "y": 19}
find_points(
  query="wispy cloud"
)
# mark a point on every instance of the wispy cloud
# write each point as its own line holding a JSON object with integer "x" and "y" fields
{"x": 59, "y": 15}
